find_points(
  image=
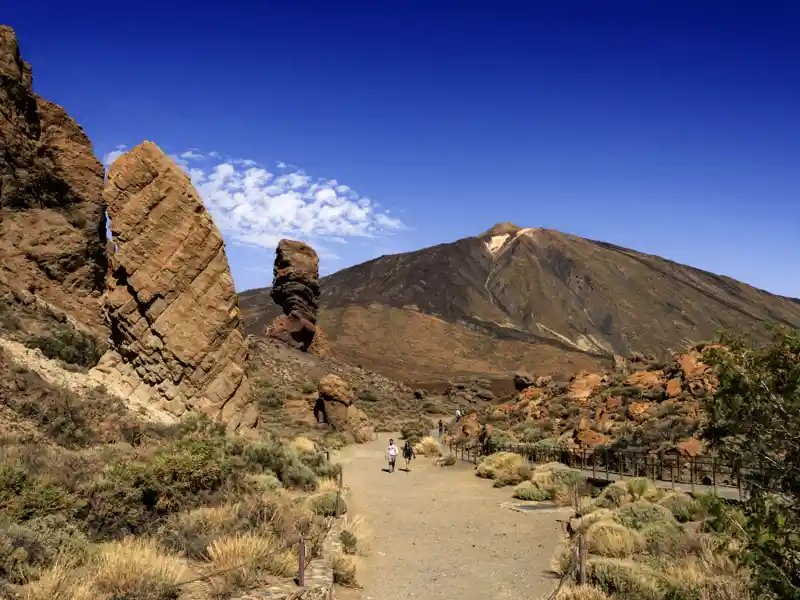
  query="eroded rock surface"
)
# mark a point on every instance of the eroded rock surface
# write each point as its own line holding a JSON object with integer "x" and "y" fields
{"x": 295, "y": 289}
{"x": 171, "y": 301}
{"x": 52, "y": 223}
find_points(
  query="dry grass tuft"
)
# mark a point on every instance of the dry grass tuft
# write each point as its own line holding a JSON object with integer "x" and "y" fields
{"x": 427, "y": 446}
{"x": 303, "y": 444}
{"x": 505, "y": 468}
{"x": 327, "y": 484}
{"x": 242, "y": 561}
{"x": 58, "y": 583}
{"x": 344, "y": 570}
{"x": 624, "y": 578}
{"x": 581, "y": 592}
{"x": 609, "y": 538}
{"x": 136, "y": 568}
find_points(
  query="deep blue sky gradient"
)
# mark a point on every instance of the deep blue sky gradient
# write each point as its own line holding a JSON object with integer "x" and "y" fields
{"x": 669, "y": 127}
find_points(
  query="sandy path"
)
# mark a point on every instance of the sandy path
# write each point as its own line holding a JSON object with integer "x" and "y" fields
{"x": 440, "y": 532}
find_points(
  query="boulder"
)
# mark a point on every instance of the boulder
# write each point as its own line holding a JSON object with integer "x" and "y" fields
{"x": 174, "y": 313}
{"x": 522, "y": 381}
{"x": 52, "y": 220}
{"x": 639, "y": 411}
{"x": 646, "y": 380}
{"x": 583, "y": 385}
{"x": 295, "y": 288}
{"x": 674, "y": 388}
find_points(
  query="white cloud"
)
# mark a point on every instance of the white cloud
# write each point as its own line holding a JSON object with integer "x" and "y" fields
{"x": 254, "y": 206}
{"x": 192, "y": 155}
{"x": 110, "y": 157}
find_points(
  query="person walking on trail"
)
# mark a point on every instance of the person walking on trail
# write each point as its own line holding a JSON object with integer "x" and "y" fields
{"x": 441, "y": 428}
{"x": 458, "y": 414}
{"x": 391, "y": 454}
{"x": 408, "y": 454}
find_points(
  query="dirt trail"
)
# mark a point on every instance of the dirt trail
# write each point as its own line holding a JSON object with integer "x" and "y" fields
{"x": 441, "y": 532}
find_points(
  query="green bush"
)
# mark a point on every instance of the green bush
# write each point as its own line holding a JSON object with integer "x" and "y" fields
{"x": 528, "y": 490}
{"x": 324, "y": 504}
{"x": 368, "y": 396}
{"x": 26, "y": 496}
{"x": 682, "y": 506}
{"x": 69, "y": 345}
{"x": 640, "y": 513}
{"x": 611, "y": 497}
{"x": 308, "y": 387}
{"x": 415, "y": 430}
{"x": 26, "y": 549}
{"x": 349, "y": 541}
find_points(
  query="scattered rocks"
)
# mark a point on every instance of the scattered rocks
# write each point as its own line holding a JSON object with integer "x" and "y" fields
{"x": 171, "y": 301}
{"x": 295, "y": 288}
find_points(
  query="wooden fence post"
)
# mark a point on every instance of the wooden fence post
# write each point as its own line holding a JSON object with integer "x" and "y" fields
{"x": 672, "y": 473}
{"x": 301, "y": 573}
{"x": 594, "y": 464}
{"x": 737, "y": 465}
{"x": 581, "y": 558}
{"x": 606, "y": 455}
{"x": 714, "y": 473}
{"x": 692, "y": 472}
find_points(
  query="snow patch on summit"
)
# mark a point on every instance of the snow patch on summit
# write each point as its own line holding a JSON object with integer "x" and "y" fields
{"x": 495, "y": 243}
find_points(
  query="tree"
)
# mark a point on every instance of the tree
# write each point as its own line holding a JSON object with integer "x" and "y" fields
{"x": 754, "y": 414}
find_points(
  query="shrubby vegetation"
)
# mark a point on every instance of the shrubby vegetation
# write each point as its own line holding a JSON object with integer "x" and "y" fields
{"x": 95, "y": 504}
{"x": 755, "y": 414}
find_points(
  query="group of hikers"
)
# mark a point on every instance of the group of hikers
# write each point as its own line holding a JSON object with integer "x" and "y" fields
{"x": 408, "y": 449}
{"x": 408, "y": 454}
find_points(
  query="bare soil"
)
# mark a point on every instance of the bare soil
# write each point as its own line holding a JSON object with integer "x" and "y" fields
{"x": 441, "y": 532}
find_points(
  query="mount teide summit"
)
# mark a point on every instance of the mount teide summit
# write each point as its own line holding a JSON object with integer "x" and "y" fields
{"x": 522, "y": 298}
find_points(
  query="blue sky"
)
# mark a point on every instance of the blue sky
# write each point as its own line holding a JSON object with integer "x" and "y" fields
{"x": 670, "y": 127}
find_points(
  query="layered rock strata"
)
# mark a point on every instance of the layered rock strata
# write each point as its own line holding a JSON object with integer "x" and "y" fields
{"x": 171, "y": 302}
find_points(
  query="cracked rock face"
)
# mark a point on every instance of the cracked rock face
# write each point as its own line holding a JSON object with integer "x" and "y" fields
{"x": 295, "y": 288}
{"x": 52, "y": 221}
{"x": 171, "y": 301}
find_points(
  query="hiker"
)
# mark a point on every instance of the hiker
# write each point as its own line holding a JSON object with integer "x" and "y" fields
{"x": 391, "y": 454}
{"x": 408, "y": 454}
{"x": 441, "y": 428}
{"x": 458, "y": 414}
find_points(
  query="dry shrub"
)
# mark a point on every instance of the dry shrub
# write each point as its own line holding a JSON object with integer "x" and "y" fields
{"x": 609, "y": 538}
{"x": 136, "y": 568}
{"x": 303, "y": 444}
{"x": 581, "y": 592}
{"x": 563, "y": 557}
{"x": 583, "y": 523}
{"x": 624, "y": 578}
{"x": 641, "y": 513}
{"x": 324, "y": 504}
{"x": 641, "y": 488}
{"x": 682, "y": 506}
{"x": 527, "y": 490}
{"x": 59, "y": 582}
{"x": 446, "y": 461}
{"x": 358, "y": 533}
{"x": 427, "y": 446}
{"x": 344, "y": 570}
{"x": 242, "y": 560}
{"x": 327, "y": 484}
{"x": 505, "y": 468}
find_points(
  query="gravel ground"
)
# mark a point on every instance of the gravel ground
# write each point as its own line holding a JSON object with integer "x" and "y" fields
{"x": 440, "y": 533}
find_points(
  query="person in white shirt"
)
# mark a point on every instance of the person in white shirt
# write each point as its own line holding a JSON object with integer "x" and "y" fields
{"x": 391, "y": 454}
{"x": 458, "y": 414}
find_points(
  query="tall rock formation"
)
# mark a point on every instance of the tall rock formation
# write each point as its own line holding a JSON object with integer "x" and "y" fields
{"x": 52, "y": 220}
{"x": 295, "y": 288}
{"x": 174, "y": 313}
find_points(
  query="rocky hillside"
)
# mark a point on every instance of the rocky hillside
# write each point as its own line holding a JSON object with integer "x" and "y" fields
{"x": 514, "y": 298}
{"x": 52, "y": 221}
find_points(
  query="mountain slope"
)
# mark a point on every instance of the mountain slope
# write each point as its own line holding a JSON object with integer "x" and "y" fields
{"x": 567, "y": 295}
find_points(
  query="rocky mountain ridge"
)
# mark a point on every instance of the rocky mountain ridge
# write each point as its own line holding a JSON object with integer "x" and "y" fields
{"x": 567, "y": 296}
